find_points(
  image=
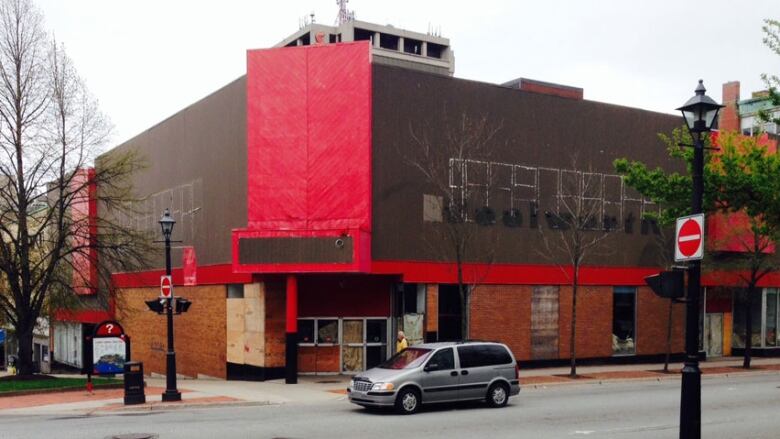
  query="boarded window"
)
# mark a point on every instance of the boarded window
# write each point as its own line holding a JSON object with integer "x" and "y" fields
{"x": 544, "y": 323}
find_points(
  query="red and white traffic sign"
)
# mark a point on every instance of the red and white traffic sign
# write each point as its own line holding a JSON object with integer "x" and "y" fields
{"x": 166, "y": 287}
{"x": 689, "y": 239}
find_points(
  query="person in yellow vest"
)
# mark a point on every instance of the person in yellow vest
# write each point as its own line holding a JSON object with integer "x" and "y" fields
{"x": 400, "y": 342}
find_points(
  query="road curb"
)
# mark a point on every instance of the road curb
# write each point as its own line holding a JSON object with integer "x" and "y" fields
{"x": 178, "y": 406}
{"x": 661, "y": 377}
{"x": 59, "y": 390}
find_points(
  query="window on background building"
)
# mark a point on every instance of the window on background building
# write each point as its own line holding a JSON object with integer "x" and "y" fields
{"x": 624, "y": 321}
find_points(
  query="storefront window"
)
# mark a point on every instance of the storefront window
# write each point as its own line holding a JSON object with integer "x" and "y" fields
{"x": 740, "y": 298}
{"x": 624, "y": 321}
{"x": 306, "y": 331}
{"x": 327, "y": 331}
{"x": 376, "y": 331}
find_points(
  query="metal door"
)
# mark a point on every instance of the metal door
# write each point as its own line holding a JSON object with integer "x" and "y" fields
{"x": 474, "y": 377}
{"x": 713, "y": 325}
{"x": 440, "y": 384}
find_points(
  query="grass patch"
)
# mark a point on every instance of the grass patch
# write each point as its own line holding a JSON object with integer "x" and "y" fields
{"x": 45, "y": 382}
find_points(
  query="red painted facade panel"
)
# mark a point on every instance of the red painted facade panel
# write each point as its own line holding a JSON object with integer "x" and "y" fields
{"x": 344, "y": 296}
{"x": 83, "y": 214}
{"x": 512, "y": 274}
{"x": 277, "y": 138}
{"x": 309, "y": 149}
{"x": 207, "y": 275}
{"x": 309, "y": 137}
{"x": 339, "y": 160}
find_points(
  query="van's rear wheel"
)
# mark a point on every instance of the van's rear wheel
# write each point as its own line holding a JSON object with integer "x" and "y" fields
{"x": 498, "y": 395}
{"x": 408, "y": 401}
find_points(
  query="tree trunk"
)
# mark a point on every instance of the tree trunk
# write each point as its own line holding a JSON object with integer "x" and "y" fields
{"x": 668, "y": 336}
{"x": 748, "y": 327}
{"x": 464, "y": 303}
{"x": 24, "y": 337}
{"x": 572, "y": 343}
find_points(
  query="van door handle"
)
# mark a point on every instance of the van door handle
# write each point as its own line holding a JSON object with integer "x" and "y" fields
{"x": 464, "y": 372}
{"x": 454, "y": 373}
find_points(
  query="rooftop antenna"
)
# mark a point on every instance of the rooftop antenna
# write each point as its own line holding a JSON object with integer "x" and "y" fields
{"x": 345, "y": 15}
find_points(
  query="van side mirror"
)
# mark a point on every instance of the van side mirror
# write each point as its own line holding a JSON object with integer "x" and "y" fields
{"x": 431, "y": 366}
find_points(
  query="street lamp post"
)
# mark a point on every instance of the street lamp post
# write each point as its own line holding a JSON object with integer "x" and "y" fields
{"x": 171, "y": 393}
{"x": 700, "y": 114}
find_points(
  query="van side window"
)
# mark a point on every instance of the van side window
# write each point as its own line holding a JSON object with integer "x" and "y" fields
{"x": 444, "y": 360}
{"x": 469, "y": 356}
{"x": 483, "y": 355}
{"x": 497, "y": 354}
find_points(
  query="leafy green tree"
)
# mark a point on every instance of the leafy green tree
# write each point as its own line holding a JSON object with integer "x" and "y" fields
{"x": 749, "y": 174}
{"x": 771, "y": 31}
{"x": 742, "y": 178}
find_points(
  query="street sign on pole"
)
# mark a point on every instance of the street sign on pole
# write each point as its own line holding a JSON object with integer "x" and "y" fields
{"x": 689, "y": 238}
{"x": 166, "y": 287}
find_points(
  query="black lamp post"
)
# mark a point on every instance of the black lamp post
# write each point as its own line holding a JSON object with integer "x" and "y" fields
{"x": 700, "y": 114}
{"x": 171, "y": 393}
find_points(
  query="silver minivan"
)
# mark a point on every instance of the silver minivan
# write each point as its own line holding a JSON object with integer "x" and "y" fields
{"x": 439, "y": 372}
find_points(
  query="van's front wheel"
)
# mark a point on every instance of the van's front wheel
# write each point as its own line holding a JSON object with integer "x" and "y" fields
{"x": 498, "y": 395}
{"x": 408, "y": 401}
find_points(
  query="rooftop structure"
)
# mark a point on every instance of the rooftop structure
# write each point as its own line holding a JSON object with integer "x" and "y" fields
{"x": 391, "y": 46}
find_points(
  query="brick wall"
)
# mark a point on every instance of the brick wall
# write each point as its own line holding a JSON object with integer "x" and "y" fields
{"x": 318, "y": 359}
{"x": 594, "y": 321}
{"x": 652, "y": 316}
{"x": 275, "y": 330}
{"x": 432, "y": 308}
{"x": 503, "y": 313}
{"x": 728, "y": 118}
{"x": 200, "y": 334}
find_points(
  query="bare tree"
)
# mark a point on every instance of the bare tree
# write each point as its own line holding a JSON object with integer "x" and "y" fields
{"x": 577, "y": 227}
{"x": 51, "y": 131}
{"x": 444, "y": 157}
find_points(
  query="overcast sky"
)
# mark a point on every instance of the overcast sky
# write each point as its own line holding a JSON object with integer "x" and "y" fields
{"x": 147, "y": 59}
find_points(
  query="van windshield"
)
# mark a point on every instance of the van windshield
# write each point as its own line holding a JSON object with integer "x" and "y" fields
{"x": 406, "y": 359}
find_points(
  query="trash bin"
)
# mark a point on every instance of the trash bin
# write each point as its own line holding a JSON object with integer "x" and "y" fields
{"x": 134, "y": 383}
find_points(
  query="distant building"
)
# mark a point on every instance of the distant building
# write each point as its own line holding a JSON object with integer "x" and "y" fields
{"x": 390, "y": 45}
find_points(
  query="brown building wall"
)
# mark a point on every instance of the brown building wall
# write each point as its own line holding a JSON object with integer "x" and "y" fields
{"x": 652, "y": 317}
{"x": 200, "y": 334}
{"x": 196, "y": 165}
{"x": 503, "y": 313}
{"x": 594, "y": 322}
{"x": 533, "y": 130}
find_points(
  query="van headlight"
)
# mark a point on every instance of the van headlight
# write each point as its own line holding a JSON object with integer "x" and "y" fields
{"x": 382, "y": 386}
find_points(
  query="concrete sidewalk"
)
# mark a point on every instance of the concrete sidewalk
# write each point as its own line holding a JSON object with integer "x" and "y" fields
{"x": 315, "y": 389}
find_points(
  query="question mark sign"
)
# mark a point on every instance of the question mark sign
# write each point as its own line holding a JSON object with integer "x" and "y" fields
{"x": 110, "y": 327}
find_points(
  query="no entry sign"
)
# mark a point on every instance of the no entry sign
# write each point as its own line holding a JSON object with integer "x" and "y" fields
{"x": 166, "y": 287}
{"x": 689, "y": 239}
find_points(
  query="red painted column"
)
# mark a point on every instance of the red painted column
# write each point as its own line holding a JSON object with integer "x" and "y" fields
{"x": 291, "y": 347}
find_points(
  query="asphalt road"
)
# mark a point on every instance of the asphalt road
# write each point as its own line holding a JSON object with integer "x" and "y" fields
{"x": 734, "y": 407}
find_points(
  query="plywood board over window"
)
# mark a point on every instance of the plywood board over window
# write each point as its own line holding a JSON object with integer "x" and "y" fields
{"x": 544, "y": 322}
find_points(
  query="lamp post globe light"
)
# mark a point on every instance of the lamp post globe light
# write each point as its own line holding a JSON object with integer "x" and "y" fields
{"x": 171, "y": 393}
{"x": 700, "y": 114}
